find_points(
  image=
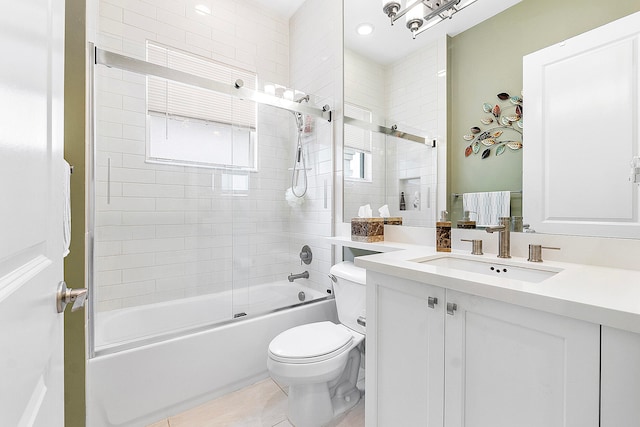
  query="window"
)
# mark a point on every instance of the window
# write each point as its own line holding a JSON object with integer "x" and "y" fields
{"x": 357, "y": 145}
{"x": 193, "y": 126}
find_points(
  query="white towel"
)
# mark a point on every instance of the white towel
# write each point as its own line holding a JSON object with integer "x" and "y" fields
{"x": 487, "y": 207}
{"x": 66, "y": 220}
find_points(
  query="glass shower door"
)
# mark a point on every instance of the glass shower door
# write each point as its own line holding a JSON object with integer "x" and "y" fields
{"x": 189, "y": 218}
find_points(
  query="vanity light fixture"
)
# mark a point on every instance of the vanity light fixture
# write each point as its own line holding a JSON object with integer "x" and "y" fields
{"x": 421, "y": 15}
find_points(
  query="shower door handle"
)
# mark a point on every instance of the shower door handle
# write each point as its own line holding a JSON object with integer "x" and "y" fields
{"x": 66, "y": 295}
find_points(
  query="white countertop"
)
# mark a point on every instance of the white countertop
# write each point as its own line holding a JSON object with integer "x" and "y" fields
{"x": 384, "y": 246}
{"x": 603, "y": 295}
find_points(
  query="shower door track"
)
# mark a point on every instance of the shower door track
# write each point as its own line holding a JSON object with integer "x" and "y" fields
{"x": 392, "y": 131}
{"x": 138, "y": 66}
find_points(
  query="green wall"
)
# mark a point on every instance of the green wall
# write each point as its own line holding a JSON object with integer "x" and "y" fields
{"x": 74, "y": 263}
{"x": 486, "y": 60}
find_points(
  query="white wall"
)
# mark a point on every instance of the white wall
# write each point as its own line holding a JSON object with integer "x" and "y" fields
{"x": 316, "y": 67}
{"x": 364, "y": 82}
{"x": 407, "y": 93}
{"x": 412, "y": 100}
{"x": 172, "y": 231}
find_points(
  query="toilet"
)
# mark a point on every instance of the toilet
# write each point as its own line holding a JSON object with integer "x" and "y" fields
{"x": 320, "y": 361}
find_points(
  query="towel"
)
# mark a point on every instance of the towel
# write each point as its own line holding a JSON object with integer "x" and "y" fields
{"x": 66, "y": 200}
{"x": 485, "y": 208}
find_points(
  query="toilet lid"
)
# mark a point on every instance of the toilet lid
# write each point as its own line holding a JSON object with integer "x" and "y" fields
{"x": 310, "y": 341}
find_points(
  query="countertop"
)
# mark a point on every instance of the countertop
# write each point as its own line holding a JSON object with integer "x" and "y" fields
{"x": 602, "y": 295}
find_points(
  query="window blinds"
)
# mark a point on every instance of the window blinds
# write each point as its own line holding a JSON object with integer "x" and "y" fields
{"x": 172, "y": 98}
{"x": 355, "y": 137}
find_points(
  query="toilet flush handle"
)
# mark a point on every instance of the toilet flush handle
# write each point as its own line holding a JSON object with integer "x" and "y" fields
{"x": 362, "y": 321}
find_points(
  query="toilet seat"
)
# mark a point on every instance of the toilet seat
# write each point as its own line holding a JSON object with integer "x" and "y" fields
{"x": 313, "y": 342}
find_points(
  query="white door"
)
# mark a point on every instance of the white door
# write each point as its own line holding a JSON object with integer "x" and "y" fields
{"x": 31, "y": 132}
{"x": 512, "y": 366}
{"x": 582, "y": 122}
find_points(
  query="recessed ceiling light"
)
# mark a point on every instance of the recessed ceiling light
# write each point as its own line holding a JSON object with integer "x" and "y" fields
{"x": 364, "y": 29}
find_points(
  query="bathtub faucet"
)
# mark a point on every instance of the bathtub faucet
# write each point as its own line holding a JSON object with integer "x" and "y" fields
{"x": 303, "y": 275}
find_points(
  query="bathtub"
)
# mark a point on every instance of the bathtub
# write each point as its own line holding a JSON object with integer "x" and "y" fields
{"x": 133, "y": 385}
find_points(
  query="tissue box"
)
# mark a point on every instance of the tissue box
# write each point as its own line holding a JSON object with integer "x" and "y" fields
{"x": 367, "y": 229}
{"x": 393, "y": 220}
{"x": 371, "y": 229}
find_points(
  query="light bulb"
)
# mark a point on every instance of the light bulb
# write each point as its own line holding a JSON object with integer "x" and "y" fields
{"x": 269, "y": 89}
{"x": 414, "y": 16}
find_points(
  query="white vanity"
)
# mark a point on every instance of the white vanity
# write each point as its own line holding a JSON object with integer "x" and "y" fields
{"x": 451, "y": 342}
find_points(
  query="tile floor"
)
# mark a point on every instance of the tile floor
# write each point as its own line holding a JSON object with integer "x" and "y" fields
{"x": 263, "y": 404}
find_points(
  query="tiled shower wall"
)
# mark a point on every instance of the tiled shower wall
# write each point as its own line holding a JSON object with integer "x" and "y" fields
{"x": 410, "y": 98}
{"x": 411, "y": 91}
{"x": 316, "y": 67}
{"x": 364, "y": 87}
{"x": 166, "y": 232}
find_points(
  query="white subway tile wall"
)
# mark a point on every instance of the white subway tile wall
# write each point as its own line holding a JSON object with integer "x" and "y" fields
{"x": 316, "y": 68}
{"x": 411, "y": 90}
{"x": 403, "y": 93}
{"x": 364, "y": 86}
{"x": 163, "y": 231}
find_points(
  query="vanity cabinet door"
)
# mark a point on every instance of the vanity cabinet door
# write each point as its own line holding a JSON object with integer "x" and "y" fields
{"x": 620, "y": 378}
{"x": 511, "y": 366}
{"x": 404, "y": 353}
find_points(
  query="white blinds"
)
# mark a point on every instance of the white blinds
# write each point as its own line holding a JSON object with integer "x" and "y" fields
{"x": 355, "y": 137}
{"x": 165, "y": 96}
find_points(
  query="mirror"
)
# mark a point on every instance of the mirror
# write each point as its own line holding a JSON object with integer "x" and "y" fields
{"x": 396, "y": 84}
{"x": 389, "y": 125}
{"x": 482, "y": 62}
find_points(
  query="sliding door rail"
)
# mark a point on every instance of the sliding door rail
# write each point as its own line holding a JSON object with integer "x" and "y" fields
{"x": 392, "y": 131}
{"x": 235, "y": 89}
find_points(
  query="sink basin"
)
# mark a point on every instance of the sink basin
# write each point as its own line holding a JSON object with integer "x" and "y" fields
{"x": 495, "y": 269}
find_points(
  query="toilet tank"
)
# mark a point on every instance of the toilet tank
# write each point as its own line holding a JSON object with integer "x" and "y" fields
{"x": 350, "y": 293}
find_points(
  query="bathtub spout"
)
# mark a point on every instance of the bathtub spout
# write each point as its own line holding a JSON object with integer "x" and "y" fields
{"x": 303, "y": 275}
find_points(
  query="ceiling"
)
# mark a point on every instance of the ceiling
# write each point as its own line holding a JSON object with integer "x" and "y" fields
{"x": 284, "y": 8}
{"x": 388, "y": 44}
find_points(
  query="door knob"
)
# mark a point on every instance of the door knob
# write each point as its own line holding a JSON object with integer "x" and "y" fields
{"x": 66, "y": 295}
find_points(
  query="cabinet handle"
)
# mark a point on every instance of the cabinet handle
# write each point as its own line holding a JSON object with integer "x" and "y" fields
{"x": 451, "y": 308}
{"x": 432, "y": 301}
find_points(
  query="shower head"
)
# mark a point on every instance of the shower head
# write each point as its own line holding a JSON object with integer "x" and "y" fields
{"x": 304, "y": 98}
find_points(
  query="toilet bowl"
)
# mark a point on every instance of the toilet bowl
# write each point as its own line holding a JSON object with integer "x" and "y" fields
{"x": 320, "y": 361}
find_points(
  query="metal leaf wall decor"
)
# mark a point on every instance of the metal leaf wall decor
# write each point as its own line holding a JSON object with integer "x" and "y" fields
{"x": 502, "y": 123}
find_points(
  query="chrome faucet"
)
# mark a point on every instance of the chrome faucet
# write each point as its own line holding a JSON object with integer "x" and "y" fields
{"x": 303, "y": 275}
{"x": 504, "y": 240}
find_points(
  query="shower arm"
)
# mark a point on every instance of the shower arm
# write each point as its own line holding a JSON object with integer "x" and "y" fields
{"x": 127, "y": 63}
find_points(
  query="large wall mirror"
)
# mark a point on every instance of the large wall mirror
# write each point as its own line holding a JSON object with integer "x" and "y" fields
{"x": 396, "y": 80}
{"x": 395, "y": 111}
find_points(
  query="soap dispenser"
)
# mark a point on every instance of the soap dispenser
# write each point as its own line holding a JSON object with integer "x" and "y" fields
{"x": 466, "y": 221}
{"x": 443, "y": 233}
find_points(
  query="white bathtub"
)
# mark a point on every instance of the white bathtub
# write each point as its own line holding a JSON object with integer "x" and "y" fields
{"x": 137, "y": 386}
